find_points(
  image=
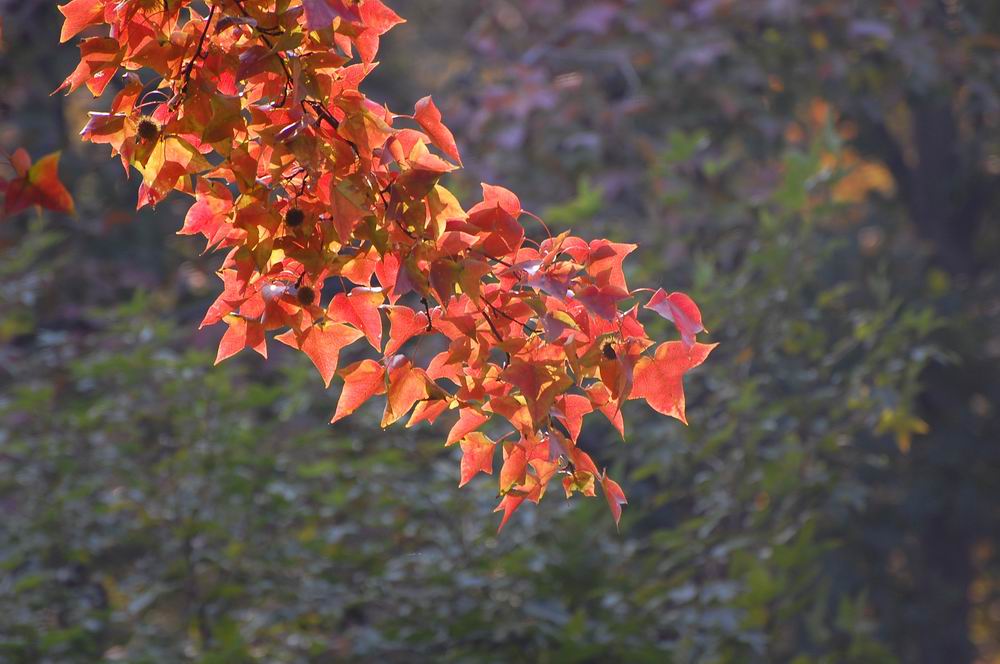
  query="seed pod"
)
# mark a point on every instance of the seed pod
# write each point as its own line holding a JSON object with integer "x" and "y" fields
{"x": 148, "y": 130}
{"x": 294, "y": 217}
{"x": 305, "y": 295}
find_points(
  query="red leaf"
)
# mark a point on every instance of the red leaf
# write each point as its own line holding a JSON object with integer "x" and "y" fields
{"x": 321, "y": 13}
{"x": 469, "y": 419}
{"x": 515, "y": 465}
{"x": 429, "y": 118}
{"x": 681, "y": 311}
{"x": 514, "y": 499}
{"x": 497, "y": 217}
{"x": 506, "y": 199}
{"x": 37, "y": 185}
{"x": 427, "y": 411}
{"x": 602, "y": 301}
{"x": 80, "y": 14}
{"x": 379, "y": 18}
{"x": 509, "y": 505}
{"x": 241, "y": 334}
{"x": 600, "y": 396}
{"x": 614, "y": 495}
{"x": 405, "y": 323}
{"x": 571, "y": 410}
{"x": 407, "y": 385}
{"x": 360, "y": 308}
{"x": 605, "y": 264}
{"x": 99, "y": 59}
{"x": 362, "y": 381}
{"x": 477, "y": 456}
{"x": 322, "y": 343}
{"x": 658, "y": 379}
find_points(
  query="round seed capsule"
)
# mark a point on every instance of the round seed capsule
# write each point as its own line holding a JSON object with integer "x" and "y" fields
{"x": 294, "y": 217}
{"x": 305, "y": 295}
{"x": 148, "y": 130}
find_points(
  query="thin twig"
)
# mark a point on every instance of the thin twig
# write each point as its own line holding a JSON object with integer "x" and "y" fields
{"x": 197, "y": 53}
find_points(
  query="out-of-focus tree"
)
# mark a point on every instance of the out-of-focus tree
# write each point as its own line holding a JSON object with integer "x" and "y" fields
{"x": 691, "y": 118}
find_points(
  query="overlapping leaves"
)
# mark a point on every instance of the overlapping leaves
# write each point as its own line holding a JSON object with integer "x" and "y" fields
{"x": 335, "y": 224}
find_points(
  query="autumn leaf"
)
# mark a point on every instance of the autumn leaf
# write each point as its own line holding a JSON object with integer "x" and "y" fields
{"x": 515, "y": 465}
{"x": 659, "y": 379}
{"x": 100, "y": 58}
{"x": 360, "y": 308}
{"x": 428, "y": 117}
{"x": 570, "y": 410}
{"x": 477, "y": 456}
{"x": 614, "y": 495}
{"x": 36, "y": 184}
{"x": 322, "y": 343}
{"x": 405, "y": 323}
{"x": 469, "y": 419}
{"x": 241, "y": 334}
{"x": 679, "y": 309}
{"x": 362, "y": 381}
{"x": 80, "y": 14}
{"x": 407, "y": 385}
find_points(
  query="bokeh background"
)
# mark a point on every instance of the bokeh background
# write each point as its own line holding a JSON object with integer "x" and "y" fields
{"x": 823, "y": 176}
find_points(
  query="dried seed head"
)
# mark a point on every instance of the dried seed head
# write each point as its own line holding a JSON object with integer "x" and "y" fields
{"x": 148, "y": 130}
{"x": 305, "y": 295}
{"x": 294, "y": 217}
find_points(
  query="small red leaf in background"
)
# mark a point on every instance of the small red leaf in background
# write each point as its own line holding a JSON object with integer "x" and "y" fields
{"x": 36, "y": 184}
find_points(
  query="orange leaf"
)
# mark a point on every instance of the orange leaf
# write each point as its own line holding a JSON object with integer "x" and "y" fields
{"x": 515, "y": 465}
{"x": 322, "y": 343}
{"x": 360, "y": 308}
{"x": 531, "y": 490}
{"x": 362, "y": 381}
{"x": 37, "y": 185}
{"x": 429, "y": 118}
{"x": 80, "y": 14}
{"x": 571, "y": 410}
{"x": 477, "y": 456}
{"x": 405, "y": 323}
{"x": 469, "y": 419}
{"x": 605, "y": 264}
{"x": 99, "y": 59}
{"x": 241, "y": 334}
{"x": 680, "y": 310}
{"x": 614, "y": 495}
{"x": 658, "y": 379}
{"x": 407, "y": 385}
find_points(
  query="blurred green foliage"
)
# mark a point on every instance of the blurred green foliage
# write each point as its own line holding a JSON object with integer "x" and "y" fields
{"x": 834, "y": 500}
